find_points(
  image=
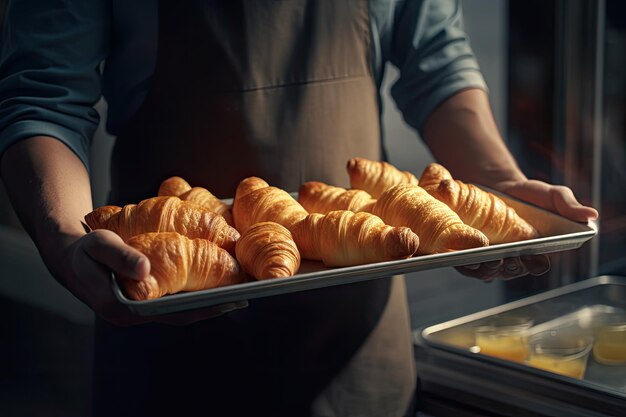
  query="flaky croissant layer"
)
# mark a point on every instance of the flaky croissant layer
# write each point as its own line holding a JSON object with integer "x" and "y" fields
{"x": 267, "y": 250}
{"x": 345, "y": 238}
{"x": 440, "y": 229}
{"x": 318, "y": 197}
{"x": 338, "y": 238}
{"x": 256, "y": 201}
{"x": 178, "y": 187}
{"x": 178, "y": 263}
{"x": 165, "y": 214}
{"x": 478, "y": 208}
{"x": 173, "y": 186}
{"x": 376, "y": 176}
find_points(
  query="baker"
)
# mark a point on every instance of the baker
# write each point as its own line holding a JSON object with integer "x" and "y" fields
{"x": 216, "y": 91}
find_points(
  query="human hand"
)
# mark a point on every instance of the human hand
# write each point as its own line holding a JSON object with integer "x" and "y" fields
{"x": 83, "y": 264}
{"x": 556, "y": 198}
{"x": 507, "y": 268}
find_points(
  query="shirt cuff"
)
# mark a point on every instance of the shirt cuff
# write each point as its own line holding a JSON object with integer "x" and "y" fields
{"x": 416, "y": 115}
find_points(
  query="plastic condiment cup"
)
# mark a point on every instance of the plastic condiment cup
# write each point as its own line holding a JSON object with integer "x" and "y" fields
{"x": 609, "y": 347}
{"x": 503, "y": 337}
{"x": 561, "y": 352}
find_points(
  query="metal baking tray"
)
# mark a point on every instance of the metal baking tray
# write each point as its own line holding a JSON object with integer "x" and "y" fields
{"x": 447, "y": 360}
{"x": 558, "y": 234}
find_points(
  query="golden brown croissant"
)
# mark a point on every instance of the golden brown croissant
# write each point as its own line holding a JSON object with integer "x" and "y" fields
{"x": 178, "y": 263}
{"x": 476, "y": 207}
{"x": 318, "y": 197}
{"x": 344, "y": 238}
{"x": 256, "y": 201}
{"x": 173, "y": 186}
{"x": 376, "y": 177}
{"x": 165, "y": 214}
{"x": 99, "y": 217}
{"x": 267, "y": 250}
{"x": 176, "y": 186}
{"x": 433, "y": 174}
{"x": 439, "y": 228}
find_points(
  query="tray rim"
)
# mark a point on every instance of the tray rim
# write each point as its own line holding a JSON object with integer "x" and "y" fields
{"x": 534, "y": 299}
{"x": 445, "y": 367}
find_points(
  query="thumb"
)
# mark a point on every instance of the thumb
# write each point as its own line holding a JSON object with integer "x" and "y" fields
{"x": 567, "y": 205}
{"x": 107, "y": 248}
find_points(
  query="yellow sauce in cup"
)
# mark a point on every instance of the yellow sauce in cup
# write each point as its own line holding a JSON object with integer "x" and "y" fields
{"x": 560, "y": 352}
{"x": 574, "y": 368}
{"x": 610, "y": 345}
{"x": 512, "y": 348}
{"x": 504, "y": 337}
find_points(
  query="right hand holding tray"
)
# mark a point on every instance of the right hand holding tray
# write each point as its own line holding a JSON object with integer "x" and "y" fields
{"x": 556, "y": 198}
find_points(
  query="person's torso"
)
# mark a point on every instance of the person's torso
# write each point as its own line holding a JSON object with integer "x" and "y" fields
{"x": 282, "y": 90}
{"x": 131, "y": 63}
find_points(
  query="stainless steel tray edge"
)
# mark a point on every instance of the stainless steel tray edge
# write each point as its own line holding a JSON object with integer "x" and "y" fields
{"x": 577, "y": 286}
{"x": 313, "y": 280}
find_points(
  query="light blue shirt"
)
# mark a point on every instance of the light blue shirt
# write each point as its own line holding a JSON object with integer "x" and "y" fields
{"x": 53, "y": 54}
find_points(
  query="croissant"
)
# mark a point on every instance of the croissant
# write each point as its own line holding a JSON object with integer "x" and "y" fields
{"x": 99, "y": 217}
{"x": 433, "y": 174}
{"x": 376, "y": 177}
{"x": 173, "y": 186}
{"x": 476, "y": 207}
{"x": 256, "y": 201}
{"x": 440, "y": 229}
{"x": 165, "y": 214}
{"x": 345, "y": 238}
{"x": 318, "y": 197}
{"x": 178, "y": 263}
{"x": 176, "y": 186}
{"x": 267, "y": 250}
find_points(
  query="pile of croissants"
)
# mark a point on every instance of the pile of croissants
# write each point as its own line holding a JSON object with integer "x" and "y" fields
{"x": 196, "y": 241}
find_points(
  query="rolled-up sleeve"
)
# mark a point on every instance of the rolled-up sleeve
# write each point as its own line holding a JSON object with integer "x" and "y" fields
{"x": 50, "y": 58}
{"x": 434, "y": 56}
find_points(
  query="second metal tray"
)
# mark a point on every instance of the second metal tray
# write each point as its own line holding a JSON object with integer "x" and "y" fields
{"x": 557, "y": 234}
{"x": 448, "y": 363}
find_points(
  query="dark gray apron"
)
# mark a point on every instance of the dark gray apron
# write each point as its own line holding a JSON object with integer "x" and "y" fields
{"x": 283, "y": 90}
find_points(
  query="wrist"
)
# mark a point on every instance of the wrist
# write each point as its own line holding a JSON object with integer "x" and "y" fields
{"x": 499, "y": 178}
{"x": 463, "y": 136}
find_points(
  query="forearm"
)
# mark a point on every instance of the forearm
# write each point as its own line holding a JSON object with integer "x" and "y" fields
{"x": 49, "y": 188}
{"x": 463, "y": 136}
